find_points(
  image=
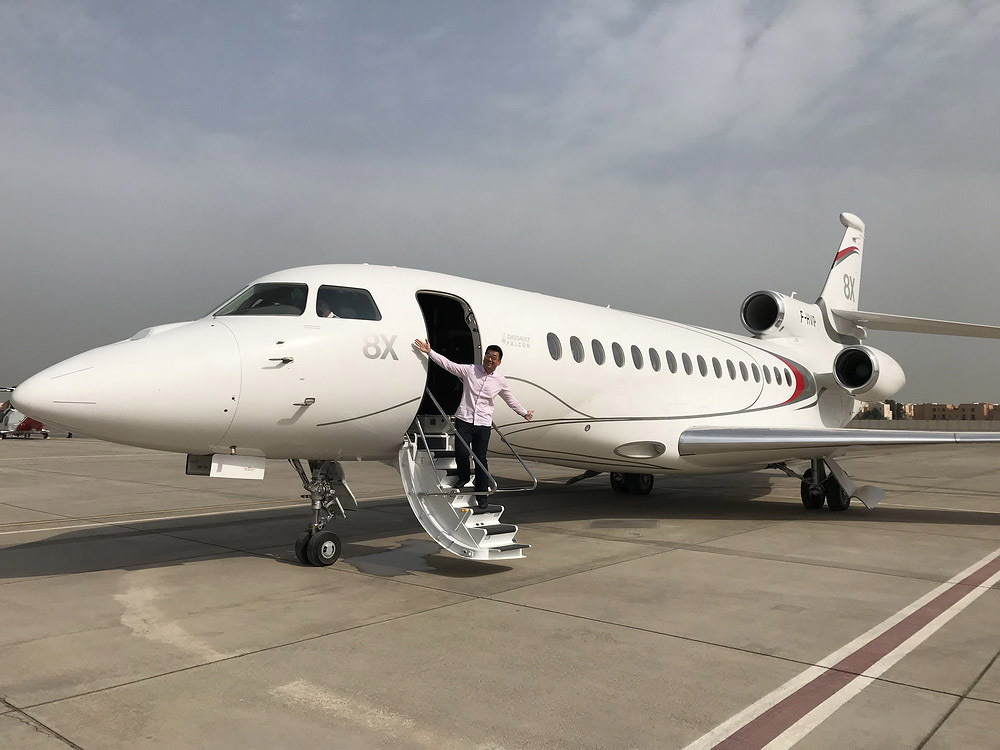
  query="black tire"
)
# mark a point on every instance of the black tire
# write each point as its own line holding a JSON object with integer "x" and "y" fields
{"x": 639, "y": 484}
{"x": 323, "y": 548}
{"x": 836, "y": 498}
{"x": 812, "y": 497}
{"x": 300, "y": 547}
{"x": 619, "y": 483}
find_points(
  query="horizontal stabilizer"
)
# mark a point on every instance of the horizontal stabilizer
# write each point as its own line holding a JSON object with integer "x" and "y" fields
{"x": 886, "y": 322}
{"x": 736, "y": 446}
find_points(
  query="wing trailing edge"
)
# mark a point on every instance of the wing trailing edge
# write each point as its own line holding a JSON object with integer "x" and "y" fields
{"x": 722, "y": 446}
{"x": 907, "y": 324}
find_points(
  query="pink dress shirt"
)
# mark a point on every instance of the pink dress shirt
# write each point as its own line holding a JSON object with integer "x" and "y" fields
{"x": 478, "y": 391}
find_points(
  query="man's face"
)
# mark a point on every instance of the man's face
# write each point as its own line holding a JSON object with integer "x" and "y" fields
{"x": 491, "y": 361}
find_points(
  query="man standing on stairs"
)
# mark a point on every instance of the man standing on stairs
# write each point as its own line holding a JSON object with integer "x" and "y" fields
{"x": 474, "y": 416}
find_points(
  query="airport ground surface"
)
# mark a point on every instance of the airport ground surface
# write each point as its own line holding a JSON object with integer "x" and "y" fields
{"x": 140, "y": 607}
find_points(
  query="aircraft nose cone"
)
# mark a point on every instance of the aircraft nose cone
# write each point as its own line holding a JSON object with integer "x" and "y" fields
{"x": 175, "y": 388}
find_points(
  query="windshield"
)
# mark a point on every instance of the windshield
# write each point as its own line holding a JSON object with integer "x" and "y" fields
{"x": 267, "y": 299}
{"x": 346, "y": 302}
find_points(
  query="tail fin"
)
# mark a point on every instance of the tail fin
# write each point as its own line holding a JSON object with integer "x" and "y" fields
{"x": 844, "y": 281}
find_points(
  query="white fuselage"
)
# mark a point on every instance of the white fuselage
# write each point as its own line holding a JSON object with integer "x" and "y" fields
{"x": 304, "y": 386}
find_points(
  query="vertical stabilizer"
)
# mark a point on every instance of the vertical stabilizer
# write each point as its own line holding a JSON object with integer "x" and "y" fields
{"x": 844, "y": 282}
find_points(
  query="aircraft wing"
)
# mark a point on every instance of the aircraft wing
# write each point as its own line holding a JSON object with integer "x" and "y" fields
{"x": 722, "y": 446}
{"x": 887, "y": 322}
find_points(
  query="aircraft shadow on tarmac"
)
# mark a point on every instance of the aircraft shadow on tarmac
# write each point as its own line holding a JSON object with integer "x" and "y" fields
{"x": 735, "y": 497}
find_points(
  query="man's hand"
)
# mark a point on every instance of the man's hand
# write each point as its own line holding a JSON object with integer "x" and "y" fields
{"x": 529, "y": 416}
{"x": 422, "y": 346}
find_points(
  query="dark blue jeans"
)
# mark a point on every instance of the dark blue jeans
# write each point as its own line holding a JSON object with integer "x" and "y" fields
{"x": 477, "y": 436}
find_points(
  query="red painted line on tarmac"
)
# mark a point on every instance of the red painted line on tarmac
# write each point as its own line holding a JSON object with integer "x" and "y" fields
{"x": 780, "y": 717}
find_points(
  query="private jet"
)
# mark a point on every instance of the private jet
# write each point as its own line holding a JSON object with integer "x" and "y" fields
{"x": 316, "y": 365}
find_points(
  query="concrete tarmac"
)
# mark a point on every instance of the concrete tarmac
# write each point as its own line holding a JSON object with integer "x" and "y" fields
{"x": 140, "y": 607}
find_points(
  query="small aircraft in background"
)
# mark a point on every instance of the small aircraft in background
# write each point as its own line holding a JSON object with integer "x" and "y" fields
{"x": 14, "y": 424}
{"x": 315, "y": 365}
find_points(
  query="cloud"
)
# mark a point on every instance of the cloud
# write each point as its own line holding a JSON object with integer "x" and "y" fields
{"x": 665, "y": 158}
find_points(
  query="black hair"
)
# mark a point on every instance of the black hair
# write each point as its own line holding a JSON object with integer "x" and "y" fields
{"x": 497, "y": 349}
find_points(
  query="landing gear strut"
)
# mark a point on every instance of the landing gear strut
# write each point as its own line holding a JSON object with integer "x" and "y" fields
{"x": 813, "y": 489}
{"x": 631, "y": 484}
{"x": 818, "y": 487}
{"x": 317, "y": 546}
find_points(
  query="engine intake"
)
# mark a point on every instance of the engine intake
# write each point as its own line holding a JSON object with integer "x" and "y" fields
{"x": 766, "y": 314}
{"x": 867, "y": 374}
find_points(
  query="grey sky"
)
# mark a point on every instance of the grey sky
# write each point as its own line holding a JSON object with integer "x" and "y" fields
{"x": 667, "y": 158}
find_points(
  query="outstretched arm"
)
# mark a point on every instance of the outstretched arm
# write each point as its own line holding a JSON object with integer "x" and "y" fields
{"x": 440, "y": 360}
{"x": 514, "y": 404}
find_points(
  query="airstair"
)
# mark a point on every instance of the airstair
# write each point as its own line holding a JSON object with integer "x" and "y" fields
{"x": 450, "y": 516}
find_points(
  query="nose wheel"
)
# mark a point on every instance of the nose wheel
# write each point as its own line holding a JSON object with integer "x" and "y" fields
{"x": 317, "y": 546}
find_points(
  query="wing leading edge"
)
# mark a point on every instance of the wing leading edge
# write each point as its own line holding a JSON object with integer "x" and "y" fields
{"x": 722, "y": 446}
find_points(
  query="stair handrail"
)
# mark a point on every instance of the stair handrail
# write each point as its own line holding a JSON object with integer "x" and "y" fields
{"x": 494, "y": 487}
{"x": 534, "y": 479}
{"x": 451, "y": 491}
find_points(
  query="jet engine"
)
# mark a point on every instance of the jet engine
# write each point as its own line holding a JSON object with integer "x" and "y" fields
{"x": 867, "y": 374}
{"x": 768, "y": 314}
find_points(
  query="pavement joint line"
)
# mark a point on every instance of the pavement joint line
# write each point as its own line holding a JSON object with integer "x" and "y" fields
{"x": 559, "y": 577}
{"x": 254, "y": 652}
{"x": 915, "y": 532}
{"x": 939, "y": 508}
{"x": 728, "y": 647}
{"x": 27, "y": 719}
{"x": 706, "y": 548}
{"x": 961, "y": 699}
{"x": 95, "y": 523}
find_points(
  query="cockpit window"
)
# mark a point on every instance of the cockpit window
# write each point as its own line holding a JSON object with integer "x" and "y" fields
{"x": 268, "y": 299}
{"x": 346, "y": 302}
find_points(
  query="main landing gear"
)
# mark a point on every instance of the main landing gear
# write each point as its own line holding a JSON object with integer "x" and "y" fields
{"x": 631, "y": 484}
{"x": 818, "y": 487}
{"x": 317, "y": 546}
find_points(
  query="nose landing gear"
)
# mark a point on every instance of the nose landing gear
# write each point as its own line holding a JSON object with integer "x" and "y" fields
{"x": 317, "y": 546}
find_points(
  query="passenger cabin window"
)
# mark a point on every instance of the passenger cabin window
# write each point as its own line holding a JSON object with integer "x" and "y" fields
{"x": 788, "y": 377}
{"x": 576, "y": 346}
{"x": 637, "y": 357}
{"x": 717, "y": 367}
{"x": 346, "y": 302}
{"x": 702, "y": 366}
{"x": 767, "y": 375}
{"x": 756, "y": 372}
{"x": 555, "y": 346}
{"x": 671, "y": 361}
{"x": 654, "y": 359}
{"x": 267, "y": 299}
{"x": 598, "y": 348}
{"x": 619, "y": 355}
{"x": 743, "y": 372}
{"x": 731, "y": 368}
{"x": 687, "y": 363}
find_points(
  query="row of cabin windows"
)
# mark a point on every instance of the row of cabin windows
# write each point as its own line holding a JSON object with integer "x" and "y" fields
{"x": 578, "y": 351}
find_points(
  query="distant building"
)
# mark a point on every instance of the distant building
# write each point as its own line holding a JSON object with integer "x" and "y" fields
{"x": 957, "y": 412}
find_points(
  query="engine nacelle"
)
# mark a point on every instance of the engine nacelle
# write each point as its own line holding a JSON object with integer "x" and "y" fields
{"x": 769, "y": 314}
{"x": 867, "y": 374}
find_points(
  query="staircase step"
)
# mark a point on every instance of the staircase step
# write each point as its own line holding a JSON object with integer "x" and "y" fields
{"x": 499, "y": 528}
{"x": 511, "y": 547}
{"x": 487, "y": 509}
